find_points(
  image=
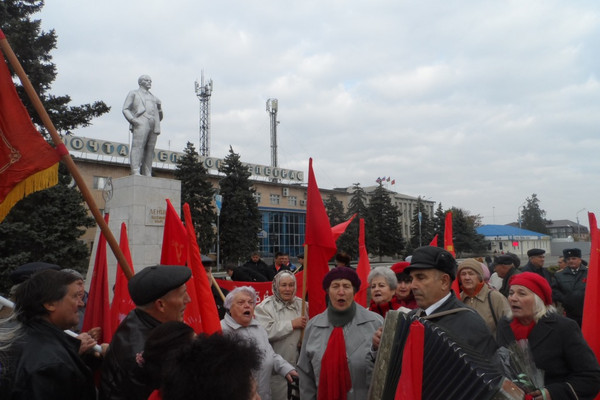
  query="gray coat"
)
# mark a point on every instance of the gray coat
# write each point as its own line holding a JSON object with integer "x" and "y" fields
{"x": 271, "y": 361}
{"x": 357, "y": 334}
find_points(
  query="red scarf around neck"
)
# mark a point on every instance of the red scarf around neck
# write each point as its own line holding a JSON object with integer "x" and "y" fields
{"x": 521, "y": 331}
{"x": 334, "y": 380}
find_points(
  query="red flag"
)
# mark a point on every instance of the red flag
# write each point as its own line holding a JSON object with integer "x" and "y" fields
{"x": 448, "y": 241}
{"x": 174, "y": 252}
{"x": 364, "y": 267}
{"x": 27, "y": 162}
{"x": 434, "y": 241}
{"x": 211, "y": 322}
{"x": 122, "y": 303}
{"x": 97, "y": 311}
{"x": 320, "y": 242}
{"x": 337, "y": 230}
{"x": 411, "y": 379}
{"x": 174, "y": 246}
{"x": 590, "y": 326}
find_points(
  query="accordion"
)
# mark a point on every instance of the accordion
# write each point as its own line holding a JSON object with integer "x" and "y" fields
{"x": 450, "y": 371}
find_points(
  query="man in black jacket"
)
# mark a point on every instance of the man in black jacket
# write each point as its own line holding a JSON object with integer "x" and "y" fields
{"x": 256, "y": 264}
{"x": 535, "y": 264}
{"x": 43, "y": 362}
{"x": 160, "y": 294}
{"x": 432, "y": 270}
{"x": 569, "y": 285}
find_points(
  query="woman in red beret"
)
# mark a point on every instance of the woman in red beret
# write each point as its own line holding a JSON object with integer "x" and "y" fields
{"x": 571, "y": 370}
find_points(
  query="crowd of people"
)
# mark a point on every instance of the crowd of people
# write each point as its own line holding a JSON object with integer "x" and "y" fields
{"x": 272, "y": 350}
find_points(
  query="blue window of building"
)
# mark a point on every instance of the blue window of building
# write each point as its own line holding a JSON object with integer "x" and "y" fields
{"x": 284, "y": 231}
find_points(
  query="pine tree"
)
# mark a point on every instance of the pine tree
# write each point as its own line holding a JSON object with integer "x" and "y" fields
{"x": 45, "y": 226}
{"x": 335, "y": 210}
{"x": 532, "y": 216}
{"x": 423, "y": 235}
{"x": 439, "y": 224}
{"x": 32, "y": 47}
{"x": 348, "y": 242}
{"x": 465, "y": 237}
{"x": 384, "y": 228}
{"x": 197, "y": 191}
{"x": 240, "y": 219}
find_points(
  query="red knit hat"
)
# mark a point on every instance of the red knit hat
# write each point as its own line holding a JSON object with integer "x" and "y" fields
{"x": 536, "y": 283}
{"x": 399, "y": 267}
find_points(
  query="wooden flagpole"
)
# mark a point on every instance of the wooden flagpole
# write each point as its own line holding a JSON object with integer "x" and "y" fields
{"x": 66, "y": 157}
{"x": 304, "y": 290}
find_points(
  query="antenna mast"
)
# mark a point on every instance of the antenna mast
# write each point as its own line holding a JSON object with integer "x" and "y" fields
{"x": 272, "y": 110}
{"x": 203, "y": 92}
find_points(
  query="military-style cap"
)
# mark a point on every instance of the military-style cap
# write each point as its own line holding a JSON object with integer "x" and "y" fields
{"x": 23, "y": 272}
{"x": 154, "y": 282}
{"x": 505, "y": 260}
{"x": 428, "y": 257}
{"x": 535, "y": 252}
{"x": 572, "y": 253}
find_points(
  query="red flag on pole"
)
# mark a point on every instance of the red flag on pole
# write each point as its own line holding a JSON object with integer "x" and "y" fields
{"x": 449, "y": 246}
{"x": 364, "y": 267}
{"x": 97, "y": 311}
{"x": 27, "y": 162}
{"x": 590, "y": 326}
{"x": 174, "y": 252}
{"x": 211, "y": 322}
{"x": 339, "y": 229}
{"x": 411, "y": 378}
{"x": 434, "y": 241}
{"x": 320, "y": 243}
{"x": 121, "y": 303}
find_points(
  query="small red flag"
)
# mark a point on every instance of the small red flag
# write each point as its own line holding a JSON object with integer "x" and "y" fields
{"x": 174, "y": 252}
{"x": 364, "y": 267}
{"x": 121, "y": 303}
{"x": 211, "y": 322}
{"x": 320, "y": 242}
{"x": 339, "y": 229}
{"x": 434, "y": 241}
{"x": 27, "y": 162}
{"x": 448, "y": 241}
{"x": 97, "y": 311}
{"x": 411, "y": 379}
{"x": 590, "y": 326}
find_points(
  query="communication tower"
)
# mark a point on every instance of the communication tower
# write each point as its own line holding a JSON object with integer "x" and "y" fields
{"x": 203, "y": 92}
{"x": 272, "y": 110}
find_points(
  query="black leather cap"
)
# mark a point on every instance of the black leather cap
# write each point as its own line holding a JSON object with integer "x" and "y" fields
{"x": 431, "y": 257}
{"x": 535, "y": 252}
{"x": 152, "y": 283}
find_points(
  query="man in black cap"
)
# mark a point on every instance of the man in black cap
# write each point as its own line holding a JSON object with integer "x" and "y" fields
{"x": 432, "y": 270}
{"x": 506, "y": 266}
{"x": 535, "y": 264}
{"x": 569, "y": 285}
{"x": 160, "y": 294}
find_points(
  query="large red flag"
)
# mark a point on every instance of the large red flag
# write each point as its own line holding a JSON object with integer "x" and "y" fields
{"x": 590, "y": 325}
{"x": 174, "y": 252}
{"x": 27, "y": 162}
{"x": 97, "y": 311}
{"x": 121, "y": 303}
{"x": 411, "y": 378}
{"x": 211, "y": 322}
{"x": 320, "y": 243}
{"x": 364, "y": 267}
{"x": 337, "y": 230}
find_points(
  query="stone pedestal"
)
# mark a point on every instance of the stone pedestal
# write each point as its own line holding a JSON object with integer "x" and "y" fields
{"x": 140, "y": 202}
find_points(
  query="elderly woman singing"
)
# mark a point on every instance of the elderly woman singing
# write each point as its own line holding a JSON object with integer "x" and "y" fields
{"x": 239, "y": 321}
{"x": 333, "y": 358}
{"x": 281, "y": 316}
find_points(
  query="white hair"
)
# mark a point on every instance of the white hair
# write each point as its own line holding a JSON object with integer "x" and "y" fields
{"x": 249, "y": 290}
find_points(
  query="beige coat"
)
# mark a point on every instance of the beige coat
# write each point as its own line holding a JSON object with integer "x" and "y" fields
{"x": 484, "y": 302}
{"x": 276, "y": 317}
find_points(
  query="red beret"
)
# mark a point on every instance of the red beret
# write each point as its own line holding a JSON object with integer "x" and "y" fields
{"x": 399, "y": 267}
{"x": 536, "y": 283}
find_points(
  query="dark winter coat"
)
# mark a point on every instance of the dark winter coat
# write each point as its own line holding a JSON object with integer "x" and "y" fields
{"x": 46, "y": 366}
{"x": 558, "y": 348}
{"x": 569, "y": 290}
{"x": 466, "y": 327}
{"x": 260, "y": 266}
{"x": 543, "y": 272}
{"x": 122, "y": 377}
{"x": 504, "y": 289}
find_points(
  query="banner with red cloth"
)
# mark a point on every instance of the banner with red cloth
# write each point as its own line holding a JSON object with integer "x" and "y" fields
{"x": 320, "y": 243}
{"x": 27, "y": 162}
{"x": 97, "y": 310}
{"x": 121, "y": 303}
{"x": 590, "y": 326}
{"x": 364, "y": 266}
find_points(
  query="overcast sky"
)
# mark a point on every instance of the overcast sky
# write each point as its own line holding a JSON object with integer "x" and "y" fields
{"x": 474, "y": 104}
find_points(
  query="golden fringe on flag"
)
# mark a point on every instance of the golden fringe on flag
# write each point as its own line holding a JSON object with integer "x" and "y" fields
{"x": 39, "y": 181}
